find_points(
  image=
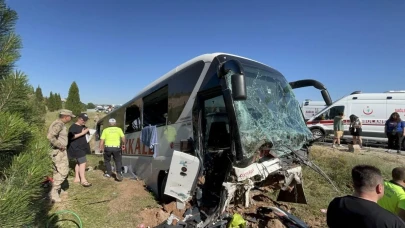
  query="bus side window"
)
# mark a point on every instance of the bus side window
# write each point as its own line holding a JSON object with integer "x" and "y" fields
{"x": 155, "y": 107}
{"x": 132, "y": 119}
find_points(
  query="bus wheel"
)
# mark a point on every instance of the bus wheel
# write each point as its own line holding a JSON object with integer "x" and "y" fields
{"x": 165, "y": 199}
{"x": 317, "y": 133}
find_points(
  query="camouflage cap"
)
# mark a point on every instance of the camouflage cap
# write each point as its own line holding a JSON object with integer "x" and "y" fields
{"x": 66, "y": 112}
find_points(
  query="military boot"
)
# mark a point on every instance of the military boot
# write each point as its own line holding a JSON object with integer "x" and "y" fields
{"x": 54, "y": 196}
{"x": 63, "y": 192}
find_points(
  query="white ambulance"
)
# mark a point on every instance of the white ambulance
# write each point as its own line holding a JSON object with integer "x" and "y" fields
{"x": 311, "y": 108}
{"x": 372, "y": 108}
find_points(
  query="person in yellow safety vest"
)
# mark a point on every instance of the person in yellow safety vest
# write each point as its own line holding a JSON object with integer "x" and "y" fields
{"x": 110, "y": 143}
{"x": 394, "y": 193}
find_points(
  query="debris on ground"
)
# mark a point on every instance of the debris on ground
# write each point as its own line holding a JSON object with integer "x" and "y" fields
{"x": 255, "y": 216}
{"x": 171, "y": 208}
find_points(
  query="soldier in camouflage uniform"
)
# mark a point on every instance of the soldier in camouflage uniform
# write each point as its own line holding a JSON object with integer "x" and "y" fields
{"x": 58, "y": 137}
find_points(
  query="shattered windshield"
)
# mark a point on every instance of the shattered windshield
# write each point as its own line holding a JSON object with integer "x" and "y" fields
{"x": 271, "y": 114}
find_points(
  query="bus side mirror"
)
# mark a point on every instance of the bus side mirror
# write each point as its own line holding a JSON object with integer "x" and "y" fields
{"x": 237, "y": 79}
{"x": 238, "y": 87}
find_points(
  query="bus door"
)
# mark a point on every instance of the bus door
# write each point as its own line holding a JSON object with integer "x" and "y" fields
{"x": 213, "y": 143}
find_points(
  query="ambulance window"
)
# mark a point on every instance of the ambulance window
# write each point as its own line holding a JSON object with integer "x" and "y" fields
{"x": 334, "y": 111}
{"x": 133, "y": 118}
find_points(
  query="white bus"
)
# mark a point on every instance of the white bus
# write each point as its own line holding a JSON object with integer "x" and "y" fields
{"x": 221, "y": 119}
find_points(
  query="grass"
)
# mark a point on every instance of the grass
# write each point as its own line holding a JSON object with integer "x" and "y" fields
{"x": 105, "y": 204}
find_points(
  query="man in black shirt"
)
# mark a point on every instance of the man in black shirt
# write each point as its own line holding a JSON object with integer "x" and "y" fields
{"x": 78, "y": 147}
{"x": 361, "y": 209}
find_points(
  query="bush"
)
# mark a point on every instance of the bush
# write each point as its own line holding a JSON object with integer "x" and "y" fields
{"x": 91, "y": 106}
{"x": 21, "y": 194}
{"x": 24, "y": 153}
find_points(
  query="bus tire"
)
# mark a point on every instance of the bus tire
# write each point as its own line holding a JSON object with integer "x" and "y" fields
{"x": 165, "y": 199}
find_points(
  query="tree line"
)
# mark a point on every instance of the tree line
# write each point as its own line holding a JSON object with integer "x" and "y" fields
{"x": 54, "y": 101}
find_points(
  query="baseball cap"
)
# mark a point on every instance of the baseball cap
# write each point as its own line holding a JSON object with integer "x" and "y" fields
{"x": 66, "y": 112}
{"x": 112, "y": 120}
{"x": 84, "y": 116}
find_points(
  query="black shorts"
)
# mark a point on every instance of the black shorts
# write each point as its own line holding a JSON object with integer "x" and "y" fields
{"x": 81, "y": 160}
{"x": 356, "y": 132}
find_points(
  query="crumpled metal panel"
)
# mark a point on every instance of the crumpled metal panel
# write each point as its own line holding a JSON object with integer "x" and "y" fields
{"x": 271, "y": 113}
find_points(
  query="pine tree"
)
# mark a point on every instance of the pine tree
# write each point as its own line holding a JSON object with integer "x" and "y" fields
{"x": 10, "y": 43}
{"x": 39, "y": 100}
{"x": 38, "y": 94}
{"x": 49, "y": 104}
{"x": 58, "y": 101}
{"x": 24, "y": 149}
{"x": 55, "y": 102}
{"x": 73, "y": 100}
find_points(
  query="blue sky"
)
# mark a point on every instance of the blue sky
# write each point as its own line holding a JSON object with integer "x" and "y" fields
{"x": 113, "y": 49}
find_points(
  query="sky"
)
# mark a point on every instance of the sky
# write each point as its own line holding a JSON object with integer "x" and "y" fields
{"x": 113, "y": 49}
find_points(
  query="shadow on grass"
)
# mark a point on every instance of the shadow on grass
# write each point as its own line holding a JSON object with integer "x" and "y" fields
{"x": 53, "y": 220}
{"x": 43, "y": 217}
{"x": 100, "y": 166}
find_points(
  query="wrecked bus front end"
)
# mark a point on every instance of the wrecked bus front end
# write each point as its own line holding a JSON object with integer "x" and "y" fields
{"x": 255, "y": 147}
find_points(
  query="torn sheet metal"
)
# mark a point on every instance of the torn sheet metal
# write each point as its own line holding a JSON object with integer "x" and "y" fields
{"x": 247, "y": 188}
{"x": 230, "y": 193}
{"x": 231, "y": 189}
{"x": 262, "y": 169}
{"x": 294, "y": 174}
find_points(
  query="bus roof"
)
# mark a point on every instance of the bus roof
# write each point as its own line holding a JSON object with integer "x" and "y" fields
{"x": 204, "y": 57}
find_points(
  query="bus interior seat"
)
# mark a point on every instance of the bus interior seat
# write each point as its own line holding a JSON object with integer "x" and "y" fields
{"x": 218, "y": 136}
